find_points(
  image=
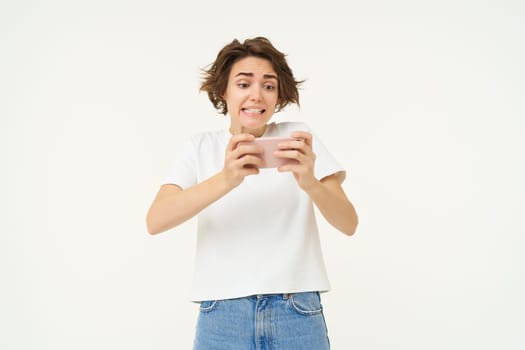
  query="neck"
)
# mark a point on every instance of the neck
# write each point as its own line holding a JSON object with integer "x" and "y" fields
{"x": 238, "y": 129}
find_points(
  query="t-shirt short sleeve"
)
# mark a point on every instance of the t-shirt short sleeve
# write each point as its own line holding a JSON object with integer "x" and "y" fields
{"x": 183, "y": 171}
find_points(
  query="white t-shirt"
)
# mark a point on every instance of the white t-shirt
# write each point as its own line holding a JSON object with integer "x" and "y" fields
{"x": 261, "y": 237}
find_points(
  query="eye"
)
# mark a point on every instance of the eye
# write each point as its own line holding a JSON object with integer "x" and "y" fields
{"x": 243, "y": 85}
{"x": 269, "y": 87}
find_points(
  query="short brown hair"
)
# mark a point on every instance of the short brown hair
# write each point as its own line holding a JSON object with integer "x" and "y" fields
{"x": 215, "y": 78}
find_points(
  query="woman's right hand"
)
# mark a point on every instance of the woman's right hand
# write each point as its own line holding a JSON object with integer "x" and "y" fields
{"x": 174, "y": 205}
{"x": 241, "y": 160}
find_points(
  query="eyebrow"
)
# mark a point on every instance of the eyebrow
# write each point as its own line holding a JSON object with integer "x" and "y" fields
{"x": 266, "y": 76}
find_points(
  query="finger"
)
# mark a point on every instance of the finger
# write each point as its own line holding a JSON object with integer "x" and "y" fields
{"x": 293, "y": 168}
{"x": 306, "y": 158}
{"x": 298, "y": 144}
{"x": 235, "y": 139}
{"x": 243, "y": 149}
{"x": 306, "y": 136}
{"x": 291, "y": 154}
{"x": 250, "y": 161}
{"x": 249, "y": 170}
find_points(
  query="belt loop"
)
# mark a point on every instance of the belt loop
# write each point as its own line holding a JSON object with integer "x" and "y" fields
{"x": 287, "y": 296}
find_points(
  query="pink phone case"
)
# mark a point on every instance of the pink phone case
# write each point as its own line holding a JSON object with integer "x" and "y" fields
{"x": 269, "y": 145}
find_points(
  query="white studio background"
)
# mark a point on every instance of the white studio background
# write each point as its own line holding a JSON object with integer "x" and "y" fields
{"x": 422, "y": 101}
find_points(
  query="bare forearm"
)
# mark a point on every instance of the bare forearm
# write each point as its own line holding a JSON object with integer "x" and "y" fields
{"x": 334, "y": 206}
{"x": 171, "y": 209}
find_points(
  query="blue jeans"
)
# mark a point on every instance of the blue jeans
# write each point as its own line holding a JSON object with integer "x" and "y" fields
{"x": 263, "y": 322}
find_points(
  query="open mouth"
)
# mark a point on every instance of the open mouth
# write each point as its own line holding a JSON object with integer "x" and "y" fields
{"x": 253, "y": 110}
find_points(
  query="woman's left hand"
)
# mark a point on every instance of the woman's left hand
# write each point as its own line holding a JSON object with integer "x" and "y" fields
{"x": 300, "y": 150}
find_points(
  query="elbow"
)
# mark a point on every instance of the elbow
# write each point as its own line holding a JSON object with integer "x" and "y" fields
{"x": 349, "y": 231}
{"x": 156, "y": 224}
{"x": 152, "y": 226}
{"x": 152, "y": 230}
{"x": 351, "y": 228}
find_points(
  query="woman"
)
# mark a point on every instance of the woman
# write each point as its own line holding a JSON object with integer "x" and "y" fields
{"x": 259, "y": 267}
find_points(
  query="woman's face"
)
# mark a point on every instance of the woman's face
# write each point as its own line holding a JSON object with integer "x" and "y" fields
{"x": 251, "y": 95}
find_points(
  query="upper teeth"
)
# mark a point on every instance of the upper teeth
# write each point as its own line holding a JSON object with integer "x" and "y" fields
{"x": 253, "y": 110}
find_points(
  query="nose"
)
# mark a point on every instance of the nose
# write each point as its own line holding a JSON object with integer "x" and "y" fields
{"x": 255, "y": 93}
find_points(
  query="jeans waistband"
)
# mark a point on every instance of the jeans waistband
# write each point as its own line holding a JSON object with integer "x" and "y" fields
{"x": 285, "y": 296}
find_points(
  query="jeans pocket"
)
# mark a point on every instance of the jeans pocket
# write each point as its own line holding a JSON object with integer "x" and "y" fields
{"x": 207, "y": 305}
{"x": 307, "y": 303}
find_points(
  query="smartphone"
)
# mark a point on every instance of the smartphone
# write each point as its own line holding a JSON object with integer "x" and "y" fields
{"x": 269, "y": 145}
